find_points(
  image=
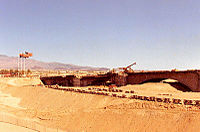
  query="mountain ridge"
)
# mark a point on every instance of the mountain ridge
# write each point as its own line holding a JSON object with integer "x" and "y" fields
{"x": 10, "y": 62}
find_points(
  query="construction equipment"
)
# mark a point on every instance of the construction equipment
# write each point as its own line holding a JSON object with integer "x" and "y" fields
{"x": 128, "y": 68}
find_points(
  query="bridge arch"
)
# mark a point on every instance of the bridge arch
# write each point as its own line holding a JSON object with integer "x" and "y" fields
{"x": 185, "y": 78}
{"x": 174, "y": 83}
{"x": 153, "y": 80}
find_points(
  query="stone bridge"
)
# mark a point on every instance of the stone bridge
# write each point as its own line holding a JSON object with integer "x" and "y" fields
{"x": 189, "y": 78}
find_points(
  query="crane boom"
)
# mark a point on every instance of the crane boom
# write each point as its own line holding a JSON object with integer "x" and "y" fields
{"x": 131, "y": 65}
{"x": 127, "y": 68}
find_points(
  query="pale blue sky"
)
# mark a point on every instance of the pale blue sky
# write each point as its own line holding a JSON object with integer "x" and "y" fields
{"x": 157, "y": 34}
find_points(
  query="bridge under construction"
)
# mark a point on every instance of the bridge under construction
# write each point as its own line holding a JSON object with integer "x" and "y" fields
{"x": 188, "y": 78}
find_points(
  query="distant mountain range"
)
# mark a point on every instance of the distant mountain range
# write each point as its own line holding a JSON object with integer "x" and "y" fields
{"x": 7, "y": 62}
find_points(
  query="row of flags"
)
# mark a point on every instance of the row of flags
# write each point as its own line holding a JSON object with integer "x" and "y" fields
{"x": 25, "y": 55}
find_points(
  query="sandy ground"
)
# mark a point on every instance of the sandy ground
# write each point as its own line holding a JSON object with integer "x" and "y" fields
{"x": 161, "y": 89}
{"x": 72, "y": 111}
{"x": 6, "y": 127}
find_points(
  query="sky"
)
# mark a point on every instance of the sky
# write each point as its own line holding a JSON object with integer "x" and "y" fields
{"x": 157, "y": 34}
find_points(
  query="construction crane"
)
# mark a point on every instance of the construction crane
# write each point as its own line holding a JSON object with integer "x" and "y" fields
{"x": 128, "y": 68}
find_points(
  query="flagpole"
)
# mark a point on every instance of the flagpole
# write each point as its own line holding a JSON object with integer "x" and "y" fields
{"x": 21, "y": 65}
{"x": 18, "y": 66}
{"x": 24, "y": 67}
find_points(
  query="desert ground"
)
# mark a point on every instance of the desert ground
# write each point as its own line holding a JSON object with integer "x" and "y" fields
{"x": 74, "y": 111}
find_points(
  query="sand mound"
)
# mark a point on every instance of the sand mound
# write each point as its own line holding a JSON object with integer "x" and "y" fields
{"x": 19, "y": 81}
{"x": 23, "y": 81}
{"x": 85, "y": 112}
{"x": 158, "y": 87}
